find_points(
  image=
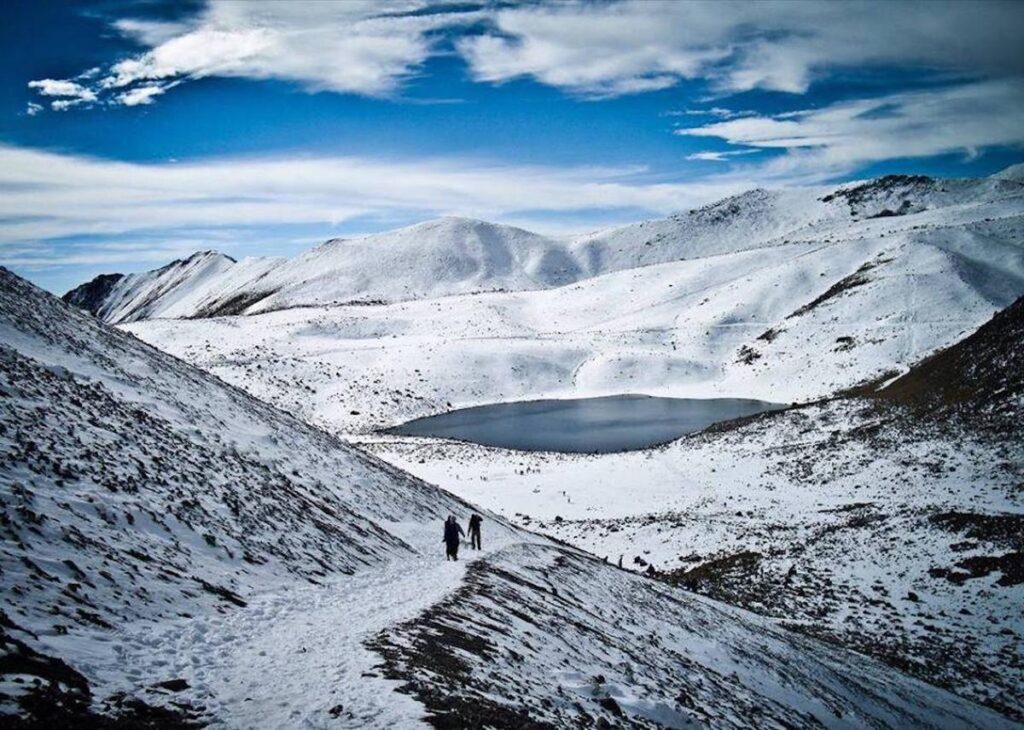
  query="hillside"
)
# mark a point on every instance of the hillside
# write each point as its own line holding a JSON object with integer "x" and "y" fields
{"x": 763, "y": 218}
{"x": 891, "y": 523}
{"x": 791, "y": 320}
{"x": 979, "y": 380}
{"x": 436, "y": 258}
{"x": 169, "y": 544}
{"x": 138, "y": 491}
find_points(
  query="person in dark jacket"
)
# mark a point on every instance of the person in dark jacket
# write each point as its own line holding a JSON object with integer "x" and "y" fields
{"x": 474, "y": 531}
{"x": 452, "y": 530}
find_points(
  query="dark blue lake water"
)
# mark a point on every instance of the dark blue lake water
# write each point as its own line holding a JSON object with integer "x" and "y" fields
{"x": 584, "y": 425}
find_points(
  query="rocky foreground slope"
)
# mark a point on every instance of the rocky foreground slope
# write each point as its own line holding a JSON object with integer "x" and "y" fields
{"x": 137, "y": 489}
{"x": 175, "y": 552}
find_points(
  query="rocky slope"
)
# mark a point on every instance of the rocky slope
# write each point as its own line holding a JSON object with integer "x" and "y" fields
{"x": 540, "y": 637}
{"x": 978, "y": 382}
{"x": 137, "y": 489}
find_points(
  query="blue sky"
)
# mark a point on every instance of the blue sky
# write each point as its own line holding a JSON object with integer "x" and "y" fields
{"x": 133, "y": 133}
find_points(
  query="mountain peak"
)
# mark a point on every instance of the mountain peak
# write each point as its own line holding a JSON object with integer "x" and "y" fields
{"x": 460, "y": 223}
{"x": 200, "y": 256}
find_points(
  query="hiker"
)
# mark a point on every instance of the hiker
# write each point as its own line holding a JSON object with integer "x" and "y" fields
{"x": 452, "y": 530}
{"x": 474, "y": 531}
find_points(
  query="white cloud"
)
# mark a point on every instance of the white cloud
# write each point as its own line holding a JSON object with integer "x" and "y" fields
{"x": 60, "y": 105}
{"x": 718, "y": 156}
{"x": 200, "y": 52}
{"x": 44, "y": 255}
{"x": 358, "y": 46}
{"x": 618, "y": 47}
{"x": 715, "y": 111}
{"x": 32, "y": 109}
{"x": 842, "y": 137}
{"x": 70, "y": 94}
{"x": 50, "y": 195}
{"x": 141, "y": 95}
{"x": 594, "y": 49}
{"x": 62, "y": 87}
{"x": 599, "y": 50}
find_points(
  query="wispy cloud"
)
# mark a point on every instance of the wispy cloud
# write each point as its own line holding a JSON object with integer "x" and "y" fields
{"x": 842, "y": 137}
{"x": 719, "y": 155}
{"x": 716, "y": 111}
{"x": 68, "y": 93}
{"x": 140, "y": 252}
{"x": 142, "y": 95}
{"x": 358, "y": 47}
{"x": 50, "y": 196}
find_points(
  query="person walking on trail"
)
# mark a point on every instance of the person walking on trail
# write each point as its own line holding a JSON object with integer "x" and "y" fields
{"x": 474, "y": 531}
{"x": 452, "y": 530}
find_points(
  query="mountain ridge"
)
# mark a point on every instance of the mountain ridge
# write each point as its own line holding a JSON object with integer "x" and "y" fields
{"x": 457, "y": 255}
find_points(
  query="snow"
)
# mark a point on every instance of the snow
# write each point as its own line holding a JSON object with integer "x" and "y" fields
{"x": 435, "y": 258}
{"x": 1013, "y": 173}
{"x": 451, "y": 256}
{"x": 852, "y": 518}
{"x": 163, "y": 292}
{"x": 103, "y": 562}
{"x": 309, "y": 639}
{"x": 161, "y": 524}
{"x": 578, "y": 632}
{"x": 784, "y": 322}
{"x": 145, "y": 502}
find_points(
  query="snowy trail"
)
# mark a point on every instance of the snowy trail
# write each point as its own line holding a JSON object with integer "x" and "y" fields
{"x": 291, "y": 657}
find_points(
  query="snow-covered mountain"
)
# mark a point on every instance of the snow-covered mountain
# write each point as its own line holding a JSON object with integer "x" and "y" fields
{"x": 1013, "y": 173}
{"x": 453, "y": 256}
{"x": 435, "y": 258}
{"x": 167, "y": 291}
{"x": 175, "y": 551}
{"x": 431, "y": 259}
{"x": 789, "y": 317}
{"x": 764, "y": 218}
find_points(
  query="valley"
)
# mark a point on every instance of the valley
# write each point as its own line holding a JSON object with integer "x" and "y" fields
{"x": 530, "y": 365}
{"x": 236, "y": 508}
